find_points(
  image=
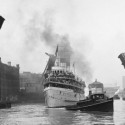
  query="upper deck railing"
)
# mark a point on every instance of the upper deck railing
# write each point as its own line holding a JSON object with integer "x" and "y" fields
{"x": 66, "y": 77}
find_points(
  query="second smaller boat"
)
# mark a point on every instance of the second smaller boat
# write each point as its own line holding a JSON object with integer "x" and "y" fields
{"x": 96, "y": 101}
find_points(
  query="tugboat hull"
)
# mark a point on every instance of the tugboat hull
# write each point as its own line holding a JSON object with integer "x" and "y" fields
{"x": 96, "y": 101}
{"x": 106, "y": 106}
{"x": 102, "y": 106}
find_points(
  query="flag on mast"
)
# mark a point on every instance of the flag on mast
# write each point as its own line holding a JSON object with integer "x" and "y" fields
{"x": 1, "y": 21}
{"x": 74, "y": 67}
{"x": 56, "y": 50}
{"x": 74, "y": 64}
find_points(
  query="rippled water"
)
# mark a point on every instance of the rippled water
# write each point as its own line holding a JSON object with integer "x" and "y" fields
{"x": 38, "y": 114}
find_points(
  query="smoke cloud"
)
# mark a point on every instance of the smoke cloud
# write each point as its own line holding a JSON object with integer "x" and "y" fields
{"x": 36, "y": 30}
{"x": 52, "y": 39}
{"x": 43, "y": 31}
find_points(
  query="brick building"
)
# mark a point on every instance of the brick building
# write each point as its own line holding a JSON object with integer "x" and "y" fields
{"x": 9, "y": 81}
{"x": 31, "y": 88}
{"x": 31, "y": 82}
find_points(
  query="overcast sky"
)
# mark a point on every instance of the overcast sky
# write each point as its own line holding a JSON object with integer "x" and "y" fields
{"x": 96, "y": 29}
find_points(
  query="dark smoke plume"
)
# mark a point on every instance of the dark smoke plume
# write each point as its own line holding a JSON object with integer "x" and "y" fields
{"x": 51, "y": 39}
{"x": 43, "y": 31}
{"x": 82, "y": 66}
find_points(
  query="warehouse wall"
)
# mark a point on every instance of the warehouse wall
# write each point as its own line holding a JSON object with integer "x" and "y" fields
{"x": 9, "y": 82}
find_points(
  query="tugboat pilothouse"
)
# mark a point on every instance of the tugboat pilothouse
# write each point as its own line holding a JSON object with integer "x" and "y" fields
{"x": 61, "y": 86}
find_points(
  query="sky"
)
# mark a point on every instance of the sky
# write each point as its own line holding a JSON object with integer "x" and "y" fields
{"x": 95, "y": 30}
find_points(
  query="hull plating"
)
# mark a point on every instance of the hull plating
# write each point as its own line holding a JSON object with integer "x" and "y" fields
{"x": 61, "y": 97}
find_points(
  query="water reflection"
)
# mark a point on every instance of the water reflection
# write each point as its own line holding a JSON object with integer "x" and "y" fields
{"x": 38, "y": 114}
{"x": 64, "y": 117}
{"x": 32, "y": 114}
{"x": 93, "y": 118}
{"x": 119, "y": 112}
{"x": 60, "y": 116}
{"x": 101, "y": 117}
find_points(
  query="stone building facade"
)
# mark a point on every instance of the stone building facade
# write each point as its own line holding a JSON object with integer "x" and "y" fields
{"x": 31, "y": 82}
{"x": 9, "y": 82}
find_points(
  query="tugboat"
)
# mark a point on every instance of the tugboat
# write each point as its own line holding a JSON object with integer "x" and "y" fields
{"x": 96, "y": 101}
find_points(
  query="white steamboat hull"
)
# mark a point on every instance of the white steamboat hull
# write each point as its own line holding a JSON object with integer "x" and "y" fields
{"x": 61, "y": 97}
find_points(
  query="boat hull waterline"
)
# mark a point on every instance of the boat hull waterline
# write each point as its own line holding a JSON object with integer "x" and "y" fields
{"x": 60, "y": 97}
{"x": 103, "y": 106}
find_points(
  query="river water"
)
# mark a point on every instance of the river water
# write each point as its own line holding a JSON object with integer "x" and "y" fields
{"x": 39, "y": 114}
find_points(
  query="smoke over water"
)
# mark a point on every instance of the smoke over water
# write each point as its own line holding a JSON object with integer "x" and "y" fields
{"x": 52, "y": 39}
{"x": 39, "y": 30}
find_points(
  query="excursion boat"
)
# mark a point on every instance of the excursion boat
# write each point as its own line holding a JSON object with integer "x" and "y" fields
{"x": 61, "y": 86}
{"x": 96, "y": 101}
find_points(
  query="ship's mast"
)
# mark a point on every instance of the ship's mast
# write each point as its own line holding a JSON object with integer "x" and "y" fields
{"x": 74, "y": 67}
{"x": 50, "y": 63}
{"x": 60, "y": 59}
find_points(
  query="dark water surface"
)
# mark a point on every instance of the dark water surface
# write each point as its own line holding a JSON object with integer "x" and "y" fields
{"x": 38, "y": 114}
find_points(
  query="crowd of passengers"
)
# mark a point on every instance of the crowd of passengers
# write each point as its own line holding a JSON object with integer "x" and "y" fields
{"x": 54, "y": 76}
{"x": 65, "y": 81}
{"x": 61, "y": 73}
